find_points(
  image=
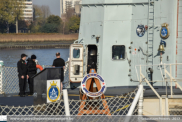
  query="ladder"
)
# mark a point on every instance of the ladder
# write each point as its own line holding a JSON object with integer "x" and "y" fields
{"x": 150, "y": 32}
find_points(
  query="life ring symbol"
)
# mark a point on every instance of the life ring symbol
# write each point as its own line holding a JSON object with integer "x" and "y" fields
{"x": 93, "y": 94}
{"x": 39, "y": 67}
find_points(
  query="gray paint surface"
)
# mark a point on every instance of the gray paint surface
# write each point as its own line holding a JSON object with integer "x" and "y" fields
{"x": 179, "y": 41}
{"x": 116, "y": 22}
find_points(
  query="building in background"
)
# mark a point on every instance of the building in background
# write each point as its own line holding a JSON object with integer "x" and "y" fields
{"x": 67, "y": 4}
{"x": 78, "y": 9}
{"x": 28, "y": 11}
{"x": 27, "y": 16}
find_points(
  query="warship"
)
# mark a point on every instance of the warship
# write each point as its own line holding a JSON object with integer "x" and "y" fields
{"x": 123, "y": 44}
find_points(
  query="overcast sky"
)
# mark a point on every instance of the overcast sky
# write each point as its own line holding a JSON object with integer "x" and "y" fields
{"x": 54, "y": 5}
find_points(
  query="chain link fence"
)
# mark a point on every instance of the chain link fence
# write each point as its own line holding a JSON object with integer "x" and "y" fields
{"x": 118, "y": 105}
{"x": 177, "y": 110}
{"x": 175, "y": 106}
{"x": 10, "y": 81}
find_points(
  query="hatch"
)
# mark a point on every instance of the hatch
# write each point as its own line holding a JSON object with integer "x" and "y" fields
{"x": 76, "y": 63}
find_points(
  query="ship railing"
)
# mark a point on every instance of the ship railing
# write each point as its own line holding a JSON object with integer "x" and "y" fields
{"x": 166, "y": 75}
{"x": 116, "y": 105}
{"x": 9, "y": 83}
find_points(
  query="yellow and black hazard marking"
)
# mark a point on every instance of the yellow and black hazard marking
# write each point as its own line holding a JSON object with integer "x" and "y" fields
{"x": 124, "y": 107}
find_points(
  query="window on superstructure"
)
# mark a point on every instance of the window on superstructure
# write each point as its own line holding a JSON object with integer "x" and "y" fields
{"x": 118, "y": 52}
{"x": 76, "y": 53}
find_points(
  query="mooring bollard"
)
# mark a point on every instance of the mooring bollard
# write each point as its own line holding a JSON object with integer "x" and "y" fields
{"x": 1, "y": 77}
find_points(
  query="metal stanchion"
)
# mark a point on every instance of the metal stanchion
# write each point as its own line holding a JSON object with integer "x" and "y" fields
{"x": 1, "y": 77}
{"x": 66, "y": 102}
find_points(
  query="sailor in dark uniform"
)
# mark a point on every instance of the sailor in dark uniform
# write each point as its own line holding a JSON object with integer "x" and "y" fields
{"x": 59, "y": 62}
{"x": 22, "y": 74}
{"x": 32, "y": 70}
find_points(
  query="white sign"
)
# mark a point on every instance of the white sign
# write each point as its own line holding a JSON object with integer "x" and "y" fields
{"x": 53, "y": 90}
{"x": 3, "y": 117}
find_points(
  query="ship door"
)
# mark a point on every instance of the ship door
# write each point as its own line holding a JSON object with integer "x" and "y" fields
{"x": 91, "y": 58}
{"x": 76, "y": 63}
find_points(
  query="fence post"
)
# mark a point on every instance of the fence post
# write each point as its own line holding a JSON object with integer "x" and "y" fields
{"x": 66, "y": 102}
{"x": 1, "y": 77}
{"x": 140, "y": 103}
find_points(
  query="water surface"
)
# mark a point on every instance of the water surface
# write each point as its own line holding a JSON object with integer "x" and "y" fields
{"x": 44, "y": 56}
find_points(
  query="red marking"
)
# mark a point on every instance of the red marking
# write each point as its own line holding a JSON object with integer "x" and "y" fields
{"x": 135, "y": 49}
{"x": 103, "y": 83}
{"x": 146, "y": 27}
{"x": 177, "y": 17}
{"x": 83, "y": 85}
{"x": 177, "y": 35}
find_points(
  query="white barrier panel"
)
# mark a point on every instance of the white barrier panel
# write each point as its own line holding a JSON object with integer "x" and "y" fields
{"x": 66, "y": 103}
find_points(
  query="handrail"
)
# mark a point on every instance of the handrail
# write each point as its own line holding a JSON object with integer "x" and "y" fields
{"x": 138, "y": 95}
{"x": 159, "y": 64}
{"x": 166, "y": 76}
{"x": 164, "y": 73}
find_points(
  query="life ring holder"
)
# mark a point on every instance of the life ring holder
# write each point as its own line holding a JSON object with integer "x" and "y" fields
{"x": 93, "y": 94}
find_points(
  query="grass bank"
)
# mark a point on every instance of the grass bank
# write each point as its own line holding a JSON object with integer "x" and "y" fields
{"x": 39, "y": 37}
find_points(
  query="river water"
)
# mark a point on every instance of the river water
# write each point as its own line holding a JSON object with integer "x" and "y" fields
{"x": 44, "y": 56}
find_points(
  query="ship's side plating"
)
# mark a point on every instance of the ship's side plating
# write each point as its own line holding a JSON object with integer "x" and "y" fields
{"x": 179, "y": 39}
{"x": 110, "y": 25}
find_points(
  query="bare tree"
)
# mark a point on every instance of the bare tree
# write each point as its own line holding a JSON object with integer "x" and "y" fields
{"x": 46, "y": 11}
{"x": 70, "y": 12}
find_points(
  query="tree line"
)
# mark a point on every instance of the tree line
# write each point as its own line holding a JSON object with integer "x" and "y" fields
{"x": 47, "y": 23}
{"x": 10, "y": 13}
{"x": 43, "y": 20}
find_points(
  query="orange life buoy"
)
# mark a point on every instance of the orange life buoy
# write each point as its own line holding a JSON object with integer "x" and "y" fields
{"x": 39, "y": 67}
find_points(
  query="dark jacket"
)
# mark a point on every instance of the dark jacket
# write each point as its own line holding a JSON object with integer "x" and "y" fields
{"x": 31, "y": 65}
{"x": 22, "y": 67}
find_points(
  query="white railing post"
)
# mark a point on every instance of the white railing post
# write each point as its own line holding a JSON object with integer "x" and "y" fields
{"x": 66, "y": 102}
{"x": 133, "y": 105}
{"x": 166, "y": 106}
{"x": 1, "y": 77}
{"x": 140, "y": 103}
{"x": 140, "y": 74}
{"x": 171, "y": 82}
{"x": 161, "y": 106}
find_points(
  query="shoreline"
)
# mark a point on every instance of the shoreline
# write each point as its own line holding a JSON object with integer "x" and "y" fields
{"x": 40, "y": 37}
{"x": 35, "y": 45}
{"x": 36, "y": 41}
